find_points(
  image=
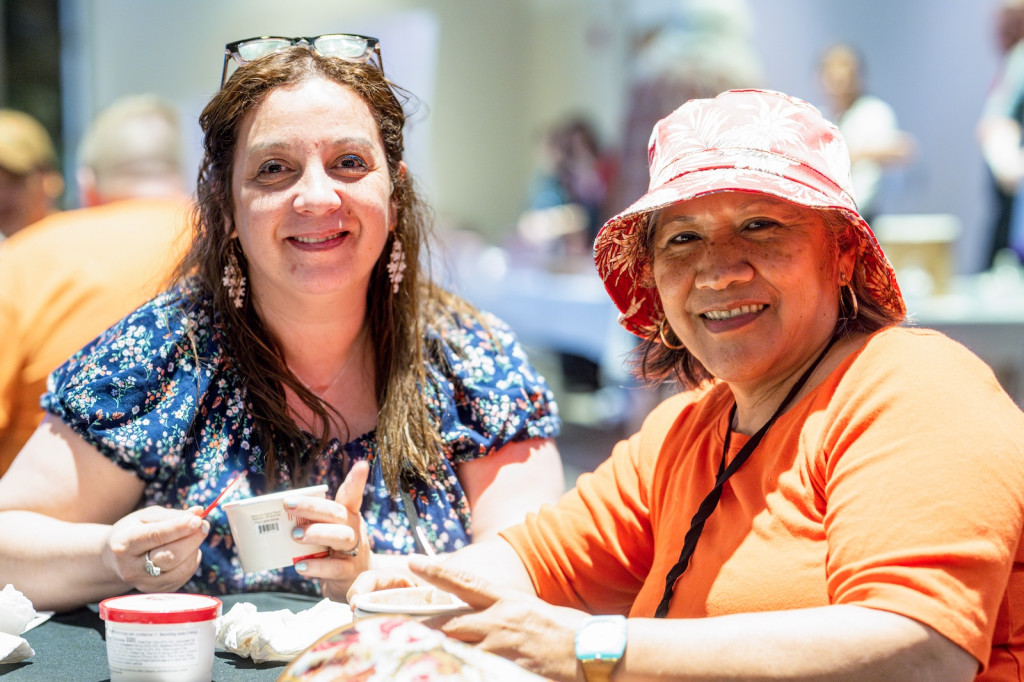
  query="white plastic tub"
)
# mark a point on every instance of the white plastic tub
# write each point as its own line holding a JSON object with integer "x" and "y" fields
{"x": 160, "y": 637}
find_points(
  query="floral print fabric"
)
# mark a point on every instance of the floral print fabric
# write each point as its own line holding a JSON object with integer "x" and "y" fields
{"x": 138, "y": 394}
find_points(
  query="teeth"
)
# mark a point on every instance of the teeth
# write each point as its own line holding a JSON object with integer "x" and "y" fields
{"x": 317, "y": 240}
{"x": 727, "y": 314}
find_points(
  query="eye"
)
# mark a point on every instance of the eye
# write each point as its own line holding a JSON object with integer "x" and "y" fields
{"x": 272, "y": 167}
{"x": 351, "y": 164}
{"x": 760, "y": 224}
{"x": 683, "y": 238}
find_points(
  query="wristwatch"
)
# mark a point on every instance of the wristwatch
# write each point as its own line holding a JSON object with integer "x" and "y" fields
{"x": 600, "y": 643}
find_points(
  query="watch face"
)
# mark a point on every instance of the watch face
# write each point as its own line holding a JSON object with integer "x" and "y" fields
{"x": 601, "y": 637}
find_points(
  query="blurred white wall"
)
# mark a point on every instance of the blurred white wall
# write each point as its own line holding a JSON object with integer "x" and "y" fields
{"x": 493, "y": 74}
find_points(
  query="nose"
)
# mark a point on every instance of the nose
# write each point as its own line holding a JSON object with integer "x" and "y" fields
{"x": 722, "y": 264}
{"x": 316, "y": 192}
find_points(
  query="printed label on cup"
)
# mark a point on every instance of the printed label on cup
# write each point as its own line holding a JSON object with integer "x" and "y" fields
{"x": 262, "y": 530}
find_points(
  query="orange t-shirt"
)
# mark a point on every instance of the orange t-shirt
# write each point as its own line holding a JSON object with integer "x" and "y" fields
{"x": 65, "y": 279}
{"x": 896, "y": 484}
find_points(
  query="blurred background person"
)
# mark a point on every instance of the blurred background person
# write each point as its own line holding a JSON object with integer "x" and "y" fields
{"x": 30, "y": 182}
{"x": 684, "y": 50}
{"x": 574, "y": 170}
{"x": 999, "y": 130}
{"x": 69, "y": 276}
{"x": 868, "y": 123}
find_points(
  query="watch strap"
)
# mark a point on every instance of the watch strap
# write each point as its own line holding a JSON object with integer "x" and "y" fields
{"x": 598, "y": 670}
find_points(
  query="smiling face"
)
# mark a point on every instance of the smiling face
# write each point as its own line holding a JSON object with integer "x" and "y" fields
{"x": 749, "y": 283}
{"x": 312, "y": 193}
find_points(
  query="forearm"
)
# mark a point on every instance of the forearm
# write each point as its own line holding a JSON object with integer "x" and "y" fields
{"x": 56, "y": 564}
{"x": 831, "y": 643}
{"x": 496, "y": 560}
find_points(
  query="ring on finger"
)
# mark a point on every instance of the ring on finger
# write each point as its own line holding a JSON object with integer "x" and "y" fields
{"x": 350, "y": 552}
{"x": 154, "y": 570}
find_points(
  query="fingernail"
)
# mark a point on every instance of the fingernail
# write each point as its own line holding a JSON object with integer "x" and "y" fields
{"x": 297, "y": 533}
{"x": 290, "y": 503}
{"x": 302, "y": 567}
{"x": 194, "y": 523}
{"x": 206, "y": 526}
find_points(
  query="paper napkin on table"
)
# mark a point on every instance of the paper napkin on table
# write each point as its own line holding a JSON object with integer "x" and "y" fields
{"x": 15, "y": 613}
{"x": 277, "y": 635}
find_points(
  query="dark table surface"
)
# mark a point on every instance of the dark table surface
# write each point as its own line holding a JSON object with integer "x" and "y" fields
{"x": 71, "y": 646}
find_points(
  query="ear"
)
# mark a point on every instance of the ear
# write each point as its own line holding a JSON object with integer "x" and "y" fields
{"x": 229, "y": 225}
{"x": 393, "y": 218}
{"x": 88, "y": 195}
{"x": 53, "y": 184}
{"x": 845, "y": 265}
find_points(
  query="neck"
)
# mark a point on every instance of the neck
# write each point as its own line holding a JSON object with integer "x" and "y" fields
{"x": 320, "y": 339}
{"x": 755, "y": 405}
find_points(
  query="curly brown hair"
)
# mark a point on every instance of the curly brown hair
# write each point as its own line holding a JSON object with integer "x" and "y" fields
{"x": 654, "y": 362}
{"x": 406, "y": 432}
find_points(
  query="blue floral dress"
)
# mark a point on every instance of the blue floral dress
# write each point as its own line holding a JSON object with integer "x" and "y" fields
{"x": 138, "y": 394}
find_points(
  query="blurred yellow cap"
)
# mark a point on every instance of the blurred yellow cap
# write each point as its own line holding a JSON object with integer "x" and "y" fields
{"x": 24, "y": 143}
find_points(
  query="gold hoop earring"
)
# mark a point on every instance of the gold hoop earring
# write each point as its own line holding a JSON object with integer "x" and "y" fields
{"x": 853, "y": 301}
{"x": 664, "y": 339}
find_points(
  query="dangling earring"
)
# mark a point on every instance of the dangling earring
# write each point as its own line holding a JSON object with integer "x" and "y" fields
{"x": 396, "y": 264}
{"x": 233, "y": 279}
{"x": 853, "y": 301}
{"x": 664, "y": 340}
{"x": 845, "y": 284}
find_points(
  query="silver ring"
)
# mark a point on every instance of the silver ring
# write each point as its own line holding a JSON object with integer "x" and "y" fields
{"x": 351, "y": 552}
{"x": 152, "y": 568}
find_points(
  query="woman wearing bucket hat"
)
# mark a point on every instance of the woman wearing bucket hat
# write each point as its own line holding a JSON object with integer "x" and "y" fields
{"x": 833, "y": 496}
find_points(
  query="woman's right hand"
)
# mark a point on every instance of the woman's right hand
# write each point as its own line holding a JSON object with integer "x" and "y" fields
{"x": 170, "y": 537}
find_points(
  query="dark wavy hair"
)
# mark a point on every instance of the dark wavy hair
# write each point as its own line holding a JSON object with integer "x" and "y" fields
{"x": 654, "y": 363}
{"x": 407, "y": 434}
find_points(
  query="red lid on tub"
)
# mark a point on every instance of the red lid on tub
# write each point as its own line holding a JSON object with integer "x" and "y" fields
{"x": 160, "y": 608}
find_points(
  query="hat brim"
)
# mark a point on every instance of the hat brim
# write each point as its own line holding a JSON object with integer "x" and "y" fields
{"x": 621, "y": 255}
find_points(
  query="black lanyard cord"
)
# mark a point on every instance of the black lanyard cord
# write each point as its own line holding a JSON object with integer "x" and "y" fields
{"x": 707, "y": 506}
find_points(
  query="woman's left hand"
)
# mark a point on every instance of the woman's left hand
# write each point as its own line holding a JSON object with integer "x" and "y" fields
{"x": 536, "y": 635}
{"x": 338, "y": 524}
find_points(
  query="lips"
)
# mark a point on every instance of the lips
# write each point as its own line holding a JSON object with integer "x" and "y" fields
{"x": 324, "y": 242}
{"x": 730, "y": 313}
{"x": 317, "y": 240}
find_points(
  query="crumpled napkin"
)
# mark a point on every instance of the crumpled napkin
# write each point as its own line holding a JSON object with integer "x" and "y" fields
{"x": 15, "y": 613}
{"x": 277, "y": 635}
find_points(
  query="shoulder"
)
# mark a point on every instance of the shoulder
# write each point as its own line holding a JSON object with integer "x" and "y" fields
{"x": 483, "y": 388}
{"x": 467, "y": 326}
{"x": 162, "y": 336}
{"x": 920, "y": 376}
{"x": 686, "y": 412}
{"x": 918, "y": 350}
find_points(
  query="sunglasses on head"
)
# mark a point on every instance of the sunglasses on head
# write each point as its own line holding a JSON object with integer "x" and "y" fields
{"x": 347, "y": 46}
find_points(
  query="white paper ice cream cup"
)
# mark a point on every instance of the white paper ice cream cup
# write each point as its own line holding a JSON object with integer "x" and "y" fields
{"x": 262, "y": 530}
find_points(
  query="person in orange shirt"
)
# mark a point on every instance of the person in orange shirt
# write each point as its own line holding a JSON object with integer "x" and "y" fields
{"x": 69, "y": 276}
{"x": 835, "y": 496}
{"x": 30, "y": 180}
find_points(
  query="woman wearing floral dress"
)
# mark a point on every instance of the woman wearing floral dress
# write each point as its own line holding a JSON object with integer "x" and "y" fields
{"x": 301, "y": 344}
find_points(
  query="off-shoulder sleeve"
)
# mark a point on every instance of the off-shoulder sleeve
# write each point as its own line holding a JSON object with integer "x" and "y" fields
{"x": 133, "y": 391}
{"x": 485, "y": 391}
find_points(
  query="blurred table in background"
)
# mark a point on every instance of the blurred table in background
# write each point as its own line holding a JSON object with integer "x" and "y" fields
{"x": 985, "y": 312}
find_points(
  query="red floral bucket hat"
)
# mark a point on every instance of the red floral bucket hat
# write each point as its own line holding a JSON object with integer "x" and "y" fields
{"x": 740, "y": 141}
